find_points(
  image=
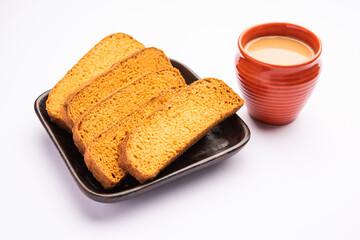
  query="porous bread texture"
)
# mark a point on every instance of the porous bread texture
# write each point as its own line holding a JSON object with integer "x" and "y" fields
{"x": 101, "y": 155}
{"x": 121, "y": 102}
{"x": 124, "y": 71}
{"x": 100, "y": 58}
{"x": 176, "y": 126}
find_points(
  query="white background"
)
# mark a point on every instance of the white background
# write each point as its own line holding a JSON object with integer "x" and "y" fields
{"x": 300, "y": 181}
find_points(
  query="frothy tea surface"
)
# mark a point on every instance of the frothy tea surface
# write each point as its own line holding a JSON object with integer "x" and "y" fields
{"x": 279, "y": 50}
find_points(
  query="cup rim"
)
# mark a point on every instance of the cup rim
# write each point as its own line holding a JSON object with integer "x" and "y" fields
{"x": 314, "y": 58}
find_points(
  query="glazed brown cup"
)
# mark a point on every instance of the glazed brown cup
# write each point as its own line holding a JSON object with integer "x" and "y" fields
{"x": 275, "y": 94}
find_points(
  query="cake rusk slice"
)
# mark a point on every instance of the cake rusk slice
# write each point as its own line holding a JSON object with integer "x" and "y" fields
{"x": 124, "y": 71}
{"x": 122, "y": 102}
{"x": 100, "y": 58}
{"x": 101, "y": 154}
{"x": 176, "y": 126}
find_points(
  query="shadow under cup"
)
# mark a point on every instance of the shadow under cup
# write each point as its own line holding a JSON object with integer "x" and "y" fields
{"x": 275, "y": 94}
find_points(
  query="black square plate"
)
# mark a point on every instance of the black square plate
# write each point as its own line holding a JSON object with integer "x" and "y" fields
{"x": 223, "y": 141}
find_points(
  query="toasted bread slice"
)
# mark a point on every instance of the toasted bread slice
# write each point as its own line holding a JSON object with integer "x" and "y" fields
{"x": 100, "y": 58}
{"x": 123, "y": 72}
{"x": 176, "y": 126}
{"x": 101, "y": 155}
{"x": 122, "y": 102}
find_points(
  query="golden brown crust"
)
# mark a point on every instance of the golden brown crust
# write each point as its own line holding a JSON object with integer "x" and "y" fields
{"x": 99, "y": 175}
{"x": 64, "y": 112}
{"x": 64, "y": 116}
{"x": 126, "y": 164}
{"x": 75, "y": 130}
{"x": 100, "y": 115}
{"x": 76, "y": 137}
{"x": 59, "y": 123}
{"x": 53, "y": 105}
{"x": 100, "y": 151}
{"x": 131, "y": 166}
{"x": 67, "y": 117}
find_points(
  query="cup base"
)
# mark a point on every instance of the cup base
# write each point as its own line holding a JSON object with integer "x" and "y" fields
{"x": 271, "y": 123}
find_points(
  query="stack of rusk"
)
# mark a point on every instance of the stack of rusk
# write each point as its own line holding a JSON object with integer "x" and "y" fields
{"x": 131, "y": 112}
